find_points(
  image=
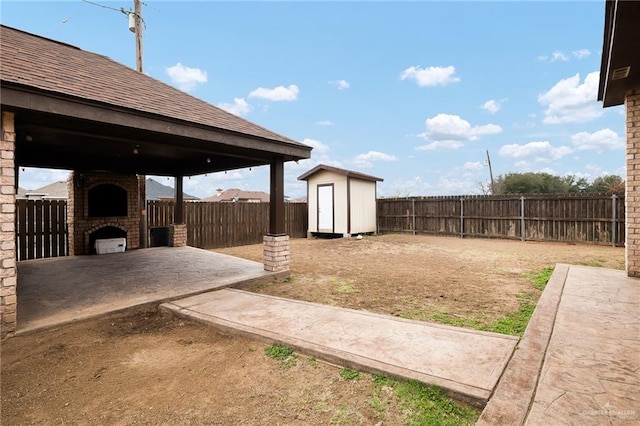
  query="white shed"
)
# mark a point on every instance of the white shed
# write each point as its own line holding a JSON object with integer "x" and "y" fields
{"x": 340, "y": 201}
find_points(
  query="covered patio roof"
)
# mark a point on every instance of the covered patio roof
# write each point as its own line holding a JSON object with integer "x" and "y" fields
{"x": 80, "y": 110}
{"x": 620, "y": 67}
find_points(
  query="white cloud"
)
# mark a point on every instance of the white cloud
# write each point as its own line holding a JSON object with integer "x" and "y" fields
{"x": 605, "y": 139}
{"x": 558, "y": 56}
{"x": 239, "y": 107}
{"x": 569, "y": 101}
{"x": 186, "y": 78}
{"x": 492, "y": 106}
{"x": 366, "y": 160}
{"x": 542, "y": 152}
{"x": 33, "y": 178}
{"x": 430, "y": 76}
{"x": 440, "y": 145}
{"x": 340, "y": 84}
{"x": 581, "y": 54}
{"x": 405, "y": 188}
{"x": 324, "y": 123}
{"x": 318, "y": 147}
{"x": 473, "y": 165}
{"x": 450, "y": 130}
{"x": 279, "y": 93}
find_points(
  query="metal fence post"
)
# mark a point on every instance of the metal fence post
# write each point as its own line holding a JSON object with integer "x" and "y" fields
{"x": 461, "y": 217}
{"x": 522, "y": 230}
{"x": 614, "y": 221}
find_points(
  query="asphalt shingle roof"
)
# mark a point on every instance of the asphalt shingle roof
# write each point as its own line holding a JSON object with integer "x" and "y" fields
{"x": 55, "y": 67}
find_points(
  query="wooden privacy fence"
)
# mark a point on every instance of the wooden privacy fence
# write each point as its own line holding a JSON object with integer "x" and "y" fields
{"x": 41, "y": 229}
{"x": 212, "y": 225}
{"x": 577, "y": 218}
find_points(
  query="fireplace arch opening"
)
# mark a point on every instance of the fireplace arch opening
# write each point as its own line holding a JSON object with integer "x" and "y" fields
{"x": 107, "y": 200}
{"x": 105, "y": 232}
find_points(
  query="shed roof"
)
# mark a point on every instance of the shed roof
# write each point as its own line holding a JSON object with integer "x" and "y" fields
{"x": 80, "y": 110}
{"x": 344, "y": 172}
{"x": 620, "y": 66}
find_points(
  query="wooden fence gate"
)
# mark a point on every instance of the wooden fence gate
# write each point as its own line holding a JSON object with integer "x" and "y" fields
{"x": 41, "y": 229}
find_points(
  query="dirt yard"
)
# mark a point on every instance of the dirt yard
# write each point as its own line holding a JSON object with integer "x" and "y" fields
{"x": 149, "y": 369}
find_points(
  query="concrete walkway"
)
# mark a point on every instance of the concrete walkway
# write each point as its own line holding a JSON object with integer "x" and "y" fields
{"x": 463, "y": 362}
{"x": 579, "y": 360}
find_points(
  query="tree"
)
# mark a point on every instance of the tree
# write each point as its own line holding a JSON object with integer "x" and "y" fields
{"x": 607, "y": 184}
{"x": 538, "y": 183}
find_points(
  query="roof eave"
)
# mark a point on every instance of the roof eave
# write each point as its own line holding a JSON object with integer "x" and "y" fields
{"x": 29, "y": 98}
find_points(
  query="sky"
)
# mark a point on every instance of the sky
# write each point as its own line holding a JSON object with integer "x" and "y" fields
{"x": 415, "y": 93}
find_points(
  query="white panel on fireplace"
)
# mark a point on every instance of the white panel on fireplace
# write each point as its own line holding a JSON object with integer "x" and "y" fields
{"x": 111, "y": 245}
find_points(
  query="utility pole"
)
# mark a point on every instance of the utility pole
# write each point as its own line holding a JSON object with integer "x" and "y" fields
{"x": 490, "y": 174}
{"x": 142, "y": 179}
{"x": 137, "y": 14}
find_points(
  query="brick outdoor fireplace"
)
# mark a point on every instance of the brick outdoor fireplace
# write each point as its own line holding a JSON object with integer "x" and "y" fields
{"x": 101, "y": 206}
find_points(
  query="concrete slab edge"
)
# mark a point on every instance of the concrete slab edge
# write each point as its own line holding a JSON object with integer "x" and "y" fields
{"x": 150, "y": 306}
{"x": 472, "y": 395}
{"x": 512, "y": 398}
{"x": 385, "y": 317}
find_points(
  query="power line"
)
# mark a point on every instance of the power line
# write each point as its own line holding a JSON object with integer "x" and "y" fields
{"x": 105, "y": 7}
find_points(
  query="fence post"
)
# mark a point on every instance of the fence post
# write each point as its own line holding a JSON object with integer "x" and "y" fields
{"x": 522, "y": 230}
{"x": 413, "y": 206}
{"x": 461, "y": 217}
{"x": 614, "y": 199}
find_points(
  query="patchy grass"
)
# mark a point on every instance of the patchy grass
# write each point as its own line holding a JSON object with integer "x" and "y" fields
{"x": 540, "y": 278}
{"x": 346, "y": 414}
{"x": 284, "y": 355}
{"x": 515, "y": 323}
{"x": 349, "y": 374}
{"x": 456, "y": 320}
{"x": 426, "y": 405}
{"x": 343, "y": 286}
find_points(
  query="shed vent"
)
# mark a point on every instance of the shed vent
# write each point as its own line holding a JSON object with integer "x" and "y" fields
{"x": 620, "y": 73}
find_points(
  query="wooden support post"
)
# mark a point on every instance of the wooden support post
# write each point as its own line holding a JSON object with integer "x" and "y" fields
{"x": 276, "y": 199}
{"x": 178, "y": 212}
{"x": 142, "y": 199}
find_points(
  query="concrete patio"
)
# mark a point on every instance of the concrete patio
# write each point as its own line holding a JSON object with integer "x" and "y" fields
{"x": 59, "y": 290}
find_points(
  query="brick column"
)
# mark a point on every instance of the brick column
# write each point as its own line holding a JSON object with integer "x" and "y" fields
{"x": 178, "y": 235}
{"x": 8, "y": 273}
{"x": 632, "y": 197}
{"x": 276, "y": 253}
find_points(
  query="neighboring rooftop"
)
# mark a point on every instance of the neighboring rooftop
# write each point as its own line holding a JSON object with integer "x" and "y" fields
{"x": 236, "y": 195}
{"x": 52, "y": 191}
{"x": 157, "y": 191}
{"x": 58, "y": 191}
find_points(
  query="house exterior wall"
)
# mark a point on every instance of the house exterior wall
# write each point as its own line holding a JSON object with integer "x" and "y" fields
{"x": 339, "y": 200}
{"x": 363, "y": 206}
{"x": 81, "y": 225}
{"x": 8, "y": 272}
{"x": 632, "y": 199}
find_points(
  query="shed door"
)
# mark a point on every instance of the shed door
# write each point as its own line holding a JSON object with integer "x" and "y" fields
{"x": 325, "y": 208}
